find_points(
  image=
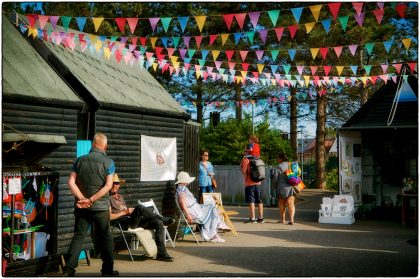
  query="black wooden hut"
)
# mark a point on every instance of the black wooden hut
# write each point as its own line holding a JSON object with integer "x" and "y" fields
{"x": 378, "y": 150}
{"x": 48, "y": 89}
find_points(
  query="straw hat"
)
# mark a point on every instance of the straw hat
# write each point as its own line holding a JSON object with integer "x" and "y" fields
{"x": 184, "y": 177}
{"x": 117, "y": 179}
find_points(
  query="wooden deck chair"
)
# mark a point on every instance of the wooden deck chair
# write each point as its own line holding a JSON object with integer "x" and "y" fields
{"x": 183, "y": 224}
{"x": 216, "y": 198}
{"x": 145, "y": 237}
{"x": 151, "y": 204}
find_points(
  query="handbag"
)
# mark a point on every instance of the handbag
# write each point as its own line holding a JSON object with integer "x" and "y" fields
{"x": 213, "y": 180}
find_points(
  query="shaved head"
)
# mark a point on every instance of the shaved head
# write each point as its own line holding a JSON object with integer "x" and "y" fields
{"x": 100, "y": 141}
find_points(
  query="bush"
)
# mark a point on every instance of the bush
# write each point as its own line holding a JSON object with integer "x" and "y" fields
{"x": 331, "y": 178}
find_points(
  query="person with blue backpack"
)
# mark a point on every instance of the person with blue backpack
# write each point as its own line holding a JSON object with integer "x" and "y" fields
{"x": 284, "y": 190}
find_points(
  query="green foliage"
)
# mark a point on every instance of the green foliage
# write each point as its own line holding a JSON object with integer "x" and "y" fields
{"x": 227, "y": 141}
{"x": 331, "y": 178}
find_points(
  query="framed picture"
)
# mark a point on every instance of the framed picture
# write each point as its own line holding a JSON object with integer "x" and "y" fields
{"x": 357, "y": 150}
{"x": 212, "y": 198}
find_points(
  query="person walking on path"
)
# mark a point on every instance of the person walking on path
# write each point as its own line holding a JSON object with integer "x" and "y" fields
{"x": 205, "y": 174}
{"x": 90, "y": 181}
{"x": 252, "y": 191}
{"x": 285, "y": 193}
{"x": 141, "y": 216}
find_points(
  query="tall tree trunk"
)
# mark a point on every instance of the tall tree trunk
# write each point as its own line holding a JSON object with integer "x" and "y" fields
{"x": 238, "y": 98}
{"x": 321, "y": 119}
{"x": 199, "y": 93}
{"x": 293, "y": 122}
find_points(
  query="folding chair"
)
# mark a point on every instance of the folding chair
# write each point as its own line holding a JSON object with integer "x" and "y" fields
{"x": 151, "y": 204}
{"x": 183, "y": 224}
{"x": 216, "y": 198}
{"x": 145, "y": 237}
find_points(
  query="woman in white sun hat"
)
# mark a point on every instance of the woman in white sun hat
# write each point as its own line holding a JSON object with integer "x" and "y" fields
{"x": 206, "y": 214}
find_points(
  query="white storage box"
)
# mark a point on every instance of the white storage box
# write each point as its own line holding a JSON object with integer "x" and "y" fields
{"x": 341, "y": 211}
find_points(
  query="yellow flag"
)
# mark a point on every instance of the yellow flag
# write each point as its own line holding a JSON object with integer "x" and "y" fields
{"x": 32, "y": 31}
{"x": 238, "y": 79}
{"x": 314, "y": 52}
{"x": 198, "y": 74}
{"x": 224, "y": 38}
{"x": 309, "y": 26}
{"x": 107, "y": 53}
{"x": 97, "y": 21}
{"x": 316, "y": 9}
{"x": 98, "y": 45}
{"x": 200, "y": 21}
{"x": 306, "y": 78}
{"x": 243, "y": 73}
{"x": 364, "y": 79}
{"x": 174, "y": 59}
{"x": 153, "y": 41}
{"x": 215, "y": 53}
{"x": 339, "y": 69}
{"x": 93, "y": 39}
{"x": 406, "y": 42}
{"x": 273, "y": 81}
{"x": 176, "y": 65}
{"x": 260, "y": 68}
{"x": 154, "y": 65}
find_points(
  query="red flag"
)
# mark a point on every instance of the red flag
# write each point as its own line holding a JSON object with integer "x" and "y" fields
{"x": 32, "y": 19}
{"x": 212, "y": 39}
{"x": 143, "y": 41}
{"x": 378, "y": 14}
{"x": 334, "y": 8}
{"x": 240, "y": 18}
{"x": 293, "y": 29}
{"x": 121, "y": 23}
{"x": 400, "y": 8}
{"x": 198, "y": 40}
{"x": 229, "y": 54}
{"x": 132, "y": 23}
{"x": 279, "y": 32}
{"x": 228, "y": 20}
{"x": 323, "y": 51}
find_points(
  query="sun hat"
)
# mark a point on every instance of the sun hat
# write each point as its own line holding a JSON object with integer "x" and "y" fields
{"x": 184, "y": 177}
{"x": 117, "y": 179}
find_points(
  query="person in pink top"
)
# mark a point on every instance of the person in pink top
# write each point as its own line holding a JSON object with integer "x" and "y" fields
{"x": 252, "y": 191}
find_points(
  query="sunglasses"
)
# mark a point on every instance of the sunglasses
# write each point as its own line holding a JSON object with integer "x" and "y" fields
{"x": 117, "y": 183}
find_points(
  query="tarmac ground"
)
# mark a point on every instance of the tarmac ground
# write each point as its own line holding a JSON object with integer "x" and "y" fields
{"x": 367, "y": 248}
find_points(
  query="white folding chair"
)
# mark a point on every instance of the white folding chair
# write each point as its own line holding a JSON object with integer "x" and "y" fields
{"x": 145, "y": 237}
{"x": 183, "y": 224}
{"x": 151, "y": 204}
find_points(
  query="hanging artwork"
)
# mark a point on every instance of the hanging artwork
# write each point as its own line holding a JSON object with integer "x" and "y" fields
{"x": 158, "y": 159}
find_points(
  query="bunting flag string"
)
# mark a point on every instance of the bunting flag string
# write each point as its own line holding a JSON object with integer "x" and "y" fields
{"x": 282, "y": 80}
{"x": 240, "y": 18}
{"x": 258, "y": 53}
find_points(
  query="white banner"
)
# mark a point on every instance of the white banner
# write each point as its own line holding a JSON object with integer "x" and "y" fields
{"x": 158, "y": 159}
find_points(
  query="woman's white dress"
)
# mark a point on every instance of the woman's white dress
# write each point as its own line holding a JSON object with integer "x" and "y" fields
{"x": 206, "y": 214}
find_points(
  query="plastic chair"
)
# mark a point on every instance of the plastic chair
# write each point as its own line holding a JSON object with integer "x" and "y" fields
{"x": 151, "y": 204}
{"x": 183, "y": 224}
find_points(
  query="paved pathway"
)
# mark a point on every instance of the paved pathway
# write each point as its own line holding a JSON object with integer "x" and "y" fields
{"x": 305, "y": 249}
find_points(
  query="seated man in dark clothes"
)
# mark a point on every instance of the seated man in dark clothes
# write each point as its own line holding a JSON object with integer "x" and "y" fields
{"x": 140, "y": 217}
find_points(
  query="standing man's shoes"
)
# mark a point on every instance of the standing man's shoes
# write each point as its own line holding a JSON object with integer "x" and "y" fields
{"x": 165, "y": 258}
{"x": 68, "y": 272}
{"x": 112, "y": 273}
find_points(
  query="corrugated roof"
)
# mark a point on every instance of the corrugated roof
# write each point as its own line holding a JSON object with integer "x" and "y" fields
{"x": 25, "y": 73}
{"x": 116, "y": 84}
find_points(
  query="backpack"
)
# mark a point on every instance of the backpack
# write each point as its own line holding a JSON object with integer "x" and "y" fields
{"x": 257, "y": 169}
{"x": 293, "y": 178}
{"x": 292, "y": 174}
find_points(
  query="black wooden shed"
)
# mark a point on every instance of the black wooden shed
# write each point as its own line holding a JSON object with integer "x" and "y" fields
{"x": 47, "y": 89}
{"x": 378, "y": 149}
